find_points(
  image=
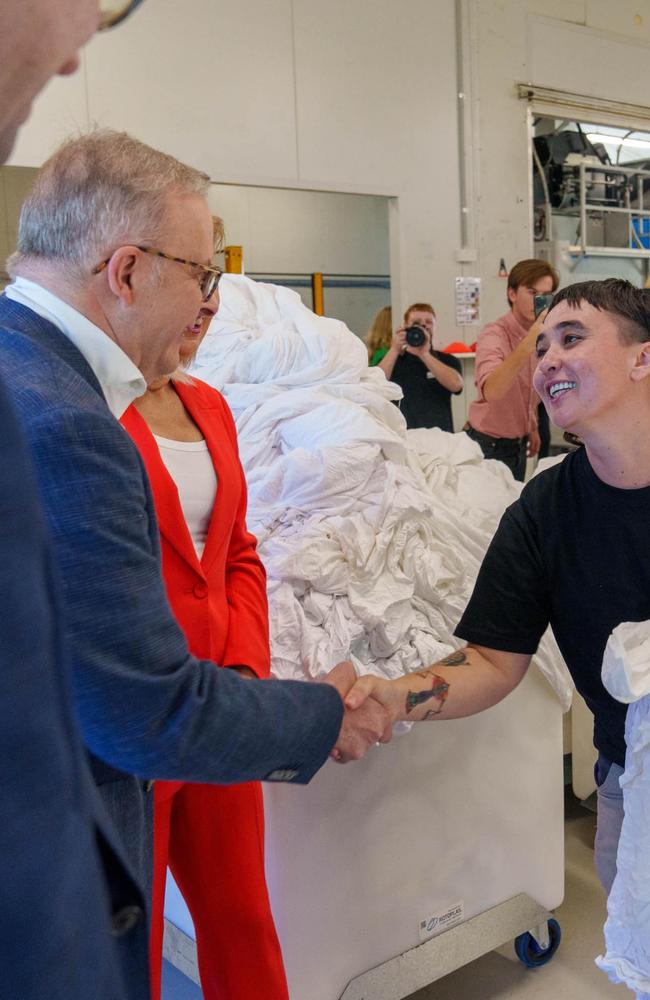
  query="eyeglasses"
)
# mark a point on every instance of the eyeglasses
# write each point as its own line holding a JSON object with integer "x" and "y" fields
{"x": 208, "y": 278}
{"x": 112, "y": 12}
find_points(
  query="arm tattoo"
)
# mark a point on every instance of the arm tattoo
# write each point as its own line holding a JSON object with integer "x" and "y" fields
{"x": 455, "y": 659}
{"x": 439, "y": 690}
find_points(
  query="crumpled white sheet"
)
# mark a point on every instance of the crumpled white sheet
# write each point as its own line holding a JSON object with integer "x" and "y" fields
{"x": 626, "y": 675}
{"x": 371, "y": 535}
{"x": 626, "y": 663}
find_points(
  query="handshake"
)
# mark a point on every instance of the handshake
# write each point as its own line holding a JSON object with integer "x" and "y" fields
{"x": 372, "y": 705}
{"x": 481, "y": 678}
{"x": 370, "y": 710}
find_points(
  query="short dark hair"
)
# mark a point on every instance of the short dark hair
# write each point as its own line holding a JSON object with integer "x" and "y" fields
{"x": 526, "y": 272}
{"x": 629, "y": 304}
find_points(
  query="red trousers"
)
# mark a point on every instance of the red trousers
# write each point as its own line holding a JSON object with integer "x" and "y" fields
{"x": 212, "y": 837}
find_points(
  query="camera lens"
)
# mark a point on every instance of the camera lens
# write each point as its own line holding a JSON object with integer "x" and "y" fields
{"x": 415, "y": 336}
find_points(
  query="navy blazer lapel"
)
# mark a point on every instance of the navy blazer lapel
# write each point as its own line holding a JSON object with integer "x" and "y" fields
{"x": 19, "y": 318}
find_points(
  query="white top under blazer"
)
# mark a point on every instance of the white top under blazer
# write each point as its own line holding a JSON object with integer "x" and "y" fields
{"x": 190, "y": 465}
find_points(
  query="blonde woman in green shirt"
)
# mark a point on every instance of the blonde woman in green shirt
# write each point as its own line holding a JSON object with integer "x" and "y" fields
{"x": 379, "y": 336}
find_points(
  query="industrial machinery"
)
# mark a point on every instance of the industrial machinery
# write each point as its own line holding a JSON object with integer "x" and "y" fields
{"x": 575, "y": 179}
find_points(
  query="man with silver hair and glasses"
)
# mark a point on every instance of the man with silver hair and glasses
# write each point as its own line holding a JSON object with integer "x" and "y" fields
{"x": 113, "y": 267}
{"x": 71, "y": 921}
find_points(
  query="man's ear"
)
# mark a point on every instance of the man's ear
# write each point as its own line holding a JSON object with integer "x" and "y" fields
{"x": 511, "y": 294}
{"x": 641, "y": 367}
{"x": 120, "y": 272}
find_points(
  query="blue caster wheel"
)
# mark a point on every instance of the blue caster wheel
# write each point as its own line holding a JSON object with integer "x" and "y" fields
{"x": 531, "y": 954}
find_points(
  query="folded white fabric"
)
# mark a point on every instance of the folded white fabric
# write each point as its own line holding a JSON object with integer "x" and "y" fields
{"x": 626, "y": 675}
{"x": 371, "y": 535}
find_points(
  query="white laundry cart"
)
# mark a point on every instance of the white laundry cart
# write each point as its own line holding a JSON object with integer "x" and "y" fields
{"x": 389, "y": 873}
{"x": 583, "y": 752}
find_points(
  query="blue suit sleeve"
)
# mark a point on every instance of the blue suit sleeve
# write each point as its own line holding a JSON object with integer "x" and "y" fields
{"x": 145, "y": 705}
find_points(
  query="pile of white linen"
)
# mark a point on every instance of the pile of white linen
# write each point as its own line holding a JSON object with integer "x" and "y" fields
{"x": 371, "y": 535}
{"x": 626, "y": 675}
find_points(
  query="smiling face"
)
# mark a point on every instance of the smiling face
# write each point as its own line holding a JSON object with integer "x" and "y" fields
{"x": 587, "y": 376}
{"x": 193, "y": 336}
{"x": 171, "y": 307}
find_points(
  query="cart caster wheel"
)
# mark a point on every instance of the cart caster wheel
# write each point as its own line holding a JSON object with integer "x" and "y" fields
{"x": 529, "y": 952}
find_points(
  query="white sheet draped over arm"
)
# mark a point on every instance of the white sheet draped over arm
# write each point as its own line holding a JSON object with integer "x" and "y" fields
{"x": 626, "y": 675}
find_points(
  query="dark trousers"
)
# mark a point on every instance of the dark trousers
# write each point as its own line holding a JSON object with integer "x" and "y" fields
{"x": 510, "y": 451}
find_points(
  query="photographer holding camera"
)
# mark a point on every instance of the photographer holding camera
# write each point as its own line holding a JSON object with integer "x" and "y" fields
{"x": 426, "y": 377}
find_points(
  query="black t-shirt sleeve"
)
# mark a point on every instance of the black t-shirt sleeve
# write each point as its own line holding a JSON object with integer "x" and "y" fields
{"x": 451, "y": 362}
{"x": 509, "y": 608}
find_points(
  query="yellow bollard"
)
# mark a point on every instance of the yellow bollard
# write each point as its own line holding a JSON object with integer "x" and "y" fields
{"x": 234, "y": 259}
{"x": 317, "y": 293}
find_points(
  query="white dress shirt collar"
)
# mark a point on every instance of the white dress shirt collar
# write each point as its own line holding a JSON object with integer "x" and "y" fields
{"x": 119, "y": 378}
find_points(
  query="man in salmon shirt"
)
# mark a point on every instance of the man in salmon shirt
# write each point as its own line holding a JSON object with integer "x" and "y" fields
{"x": 503, "y": 418}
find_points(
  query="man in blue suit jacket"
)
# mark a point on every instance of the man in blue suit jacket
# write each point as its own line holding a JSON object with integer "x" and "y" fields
{"x": 113, "y": 266}
{"x": 61, "y": 875}
{"x": 71, "y": 917}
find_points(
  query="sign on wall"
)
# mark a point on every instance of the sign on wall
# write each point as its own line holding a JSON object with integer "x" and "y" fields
{"x": 468, "y": 301}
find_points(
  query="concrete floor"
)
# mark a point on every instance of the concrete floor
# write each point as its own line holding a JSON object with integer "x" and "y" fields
{"x": 570, "y": 975}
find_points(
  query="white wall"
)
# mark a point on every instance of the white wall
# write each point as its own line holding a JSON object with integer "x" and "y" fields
{"x": 292, "y": 232}
{"x": 360, "y": 96}
{"x": 356, "y": 96}
{"x": 287, "y": 232}
{"x": 590, "y": 47}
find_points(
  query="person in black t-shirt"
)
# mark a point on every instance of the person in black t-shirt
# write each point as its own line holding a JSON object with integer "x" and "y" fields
{"x": 574, "y": 550}
{"x": 426, "y": 377}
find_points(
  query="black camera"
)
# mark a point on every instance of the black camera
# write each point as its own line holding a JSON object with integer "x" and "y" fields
{"x": 415, "y": 336}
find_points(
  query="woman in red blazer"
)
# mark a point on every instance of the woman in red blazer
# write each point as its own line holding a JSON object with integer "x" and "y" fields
{"x": 211, "y": 836}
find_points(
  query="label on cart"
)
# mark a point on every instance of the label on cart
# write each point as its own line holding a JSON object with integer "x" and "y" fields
{"x": 439, "y": 922}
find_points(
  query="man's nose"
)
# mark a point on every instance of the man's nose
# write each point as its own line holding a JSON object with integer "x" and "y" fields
{"x": 550, "y": 361}
{"x": 212, "y": 304}
{"x": 210, "y": 308}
